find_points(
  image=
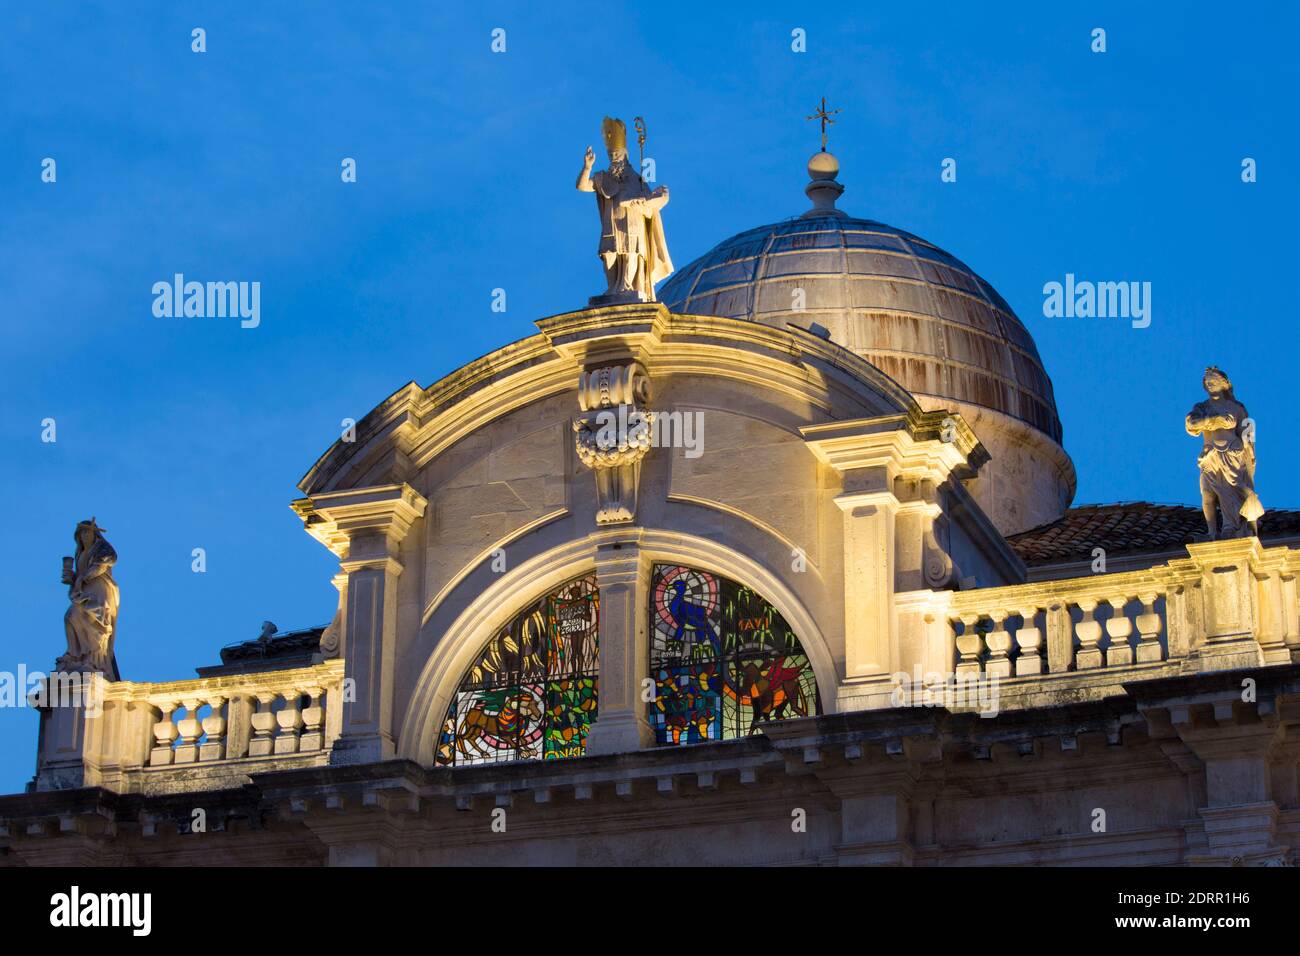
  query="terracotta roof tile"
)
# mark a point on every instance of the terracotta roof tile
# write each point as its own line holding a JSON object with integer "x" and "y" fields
{"x": 1128, "y": 527}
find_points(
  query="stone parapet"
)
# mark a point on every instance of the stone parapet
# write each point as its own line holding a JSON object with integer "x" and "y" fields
{"x": 1172, "y": 773}
{"x": 1228, "y": 605}
{"x": 192, "y": 735}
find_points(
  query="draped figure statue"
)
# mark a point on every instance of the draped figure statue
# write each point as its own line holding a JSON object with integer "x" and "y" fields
{"x": 91, "y": 620}
{"x": 1227, "y": 460}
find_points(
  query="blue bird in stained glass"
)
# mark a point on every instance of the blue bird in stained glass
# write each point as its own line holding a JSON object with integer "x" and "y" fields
{"x": 690, "y": 616}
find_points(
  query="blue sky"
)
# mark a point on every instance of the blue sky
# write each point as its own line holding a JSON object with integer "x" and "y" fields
{"x": 184, "y": 433}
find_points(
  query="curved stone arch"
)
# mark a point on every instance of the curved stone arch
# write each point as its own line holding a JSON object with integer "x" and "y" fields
{"x": 497, "y": 605}
{"x": 491, "y": 610}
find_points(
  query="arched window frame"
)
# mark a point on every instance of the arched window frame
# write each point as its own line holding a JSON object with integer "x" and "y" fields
{"x": 723, "y": 659}
{"x": 532, "y": 691}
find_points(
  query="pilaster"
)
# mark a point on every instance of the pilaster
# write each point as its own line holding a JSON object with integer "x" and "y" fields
{"x": 366, "y": 528}
{"x": 889, "y": 544}
{"x": 622, "y": 575}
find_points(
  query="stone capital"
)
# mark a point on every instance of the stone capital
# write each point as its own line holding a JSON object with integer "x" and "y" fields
{"x": 385, "y": 513}
{"x": 860, "y": 504}
{"x": 382, "y": 563}
{"x": 608, "y": 334}
{"x": 619, "y": 559}
{"x": 917, "y": 445}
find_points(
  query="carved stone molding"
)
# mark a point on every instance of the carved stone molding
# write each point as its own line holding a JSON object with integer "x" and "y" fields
{"x": 613, "y": 434}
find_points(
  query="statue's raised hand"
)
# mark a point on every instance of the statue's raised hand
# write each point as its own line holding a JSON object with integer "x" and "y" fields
{"x": 589, "y": 158}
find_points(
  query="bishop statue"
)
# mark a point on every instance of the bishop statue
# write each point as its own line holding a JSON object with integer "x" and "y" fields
{"x": 632, "y": 246}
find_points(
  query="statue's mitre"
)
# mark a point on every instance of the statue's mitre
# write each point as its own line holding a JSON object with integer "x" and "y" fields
{"x": 615, "y": 134}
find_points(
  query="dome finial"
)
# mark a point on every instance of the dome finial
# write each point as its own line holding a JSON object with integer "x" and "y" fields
{"x": 823, "y": 114}
{"x": 822, "y": 170}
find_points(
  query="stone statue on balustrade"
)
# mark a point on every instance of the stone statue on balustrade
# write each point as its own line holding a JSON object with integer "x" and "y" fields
{"x": 91, "y": 620}
{"x": 632, "y": 245}
{"x": 1227, "y": 460}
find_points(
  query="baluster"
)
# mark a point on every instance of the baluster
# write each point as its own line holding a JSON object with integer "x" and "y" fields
{"x": 1029, "y": 639}
{"x": 187, "y": 751}
{"x": 998, "y": 642}
{"x": 164, "y": 733}
{"x": 1148, "y": 625}
{"x": 1120, "y": 629}
{"x": 263, "y": 721}
{"x": 214, "y": 726}
{"x": 313, "y": 718}
{"x": 969, "y": 646}
{"x": 290, "y": 721}
{"x": 1088, "y": 631}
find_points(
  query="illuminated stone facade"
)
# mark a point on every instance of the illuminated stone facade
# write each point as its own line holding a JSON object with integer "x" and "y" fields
{"x": 865, "y": 668}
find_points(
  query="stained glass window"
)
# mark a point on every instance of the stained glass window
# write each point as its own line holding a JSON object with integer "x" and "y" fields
{"x": 531, "y": 693}
{"x": 722, "y": 658}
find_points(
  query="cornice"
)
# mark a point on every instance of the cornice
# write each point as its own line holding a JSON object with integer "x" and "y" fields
{"x": 414, "y": 425}
{"x": 335, "y": 518}
{"x": 917, "y": 445}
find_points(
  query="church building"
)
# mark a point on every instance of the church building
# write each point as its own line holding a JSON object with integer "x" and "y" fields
{"x": 773, "y": 562}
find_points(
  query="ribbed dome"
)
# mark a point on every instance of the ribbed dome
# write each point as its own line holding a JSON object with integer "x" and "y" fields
{"x": 911, "y": 309}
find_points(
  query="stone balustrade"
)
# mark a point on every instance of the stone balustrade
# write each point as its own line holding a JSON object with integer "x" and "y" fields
{"x": 207, "y": 733}
{"x": 1087, "y": 624}
{"x": 1229, "y": 604}
{"x": 261, "y": 721}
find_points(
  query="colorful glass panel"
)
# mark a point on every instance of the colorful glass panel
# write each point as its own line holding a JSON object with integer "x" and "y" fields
{"x": 531, "y": 693}
{"x": 687, "y": 708}
{"x": 722, "y": 658}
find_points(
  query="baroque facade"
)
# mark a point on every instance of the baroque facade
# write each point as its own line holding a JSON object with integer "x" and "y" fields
{"x": 779, "y": 569}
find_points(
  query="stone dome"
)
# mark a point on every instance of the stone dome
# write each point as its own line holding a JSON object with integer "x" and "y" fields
{"x": 914, "y": 311}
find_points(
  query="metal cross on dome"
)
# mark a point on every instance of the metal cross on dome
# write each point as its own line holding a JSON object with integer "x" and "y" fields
{"x": 824, "y": 115}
